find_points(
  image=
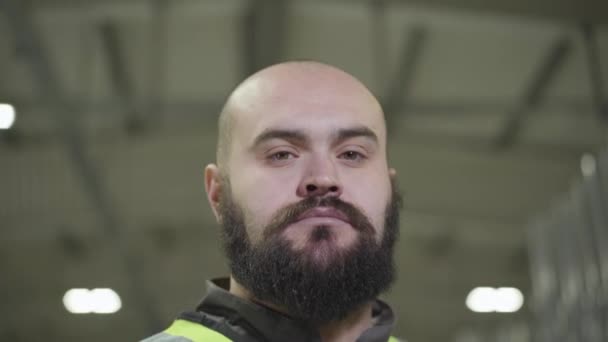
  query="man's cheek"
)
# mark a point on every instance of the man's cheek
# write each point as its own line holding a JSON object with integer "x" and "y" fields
{"x": 254, "y": 223}
{"x": 374, "y": 209}
{"x": 259, "y": 214}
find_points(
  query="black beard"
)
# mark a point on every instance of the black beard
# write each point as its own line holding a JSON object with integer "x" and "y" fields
{"x": 274, "y": 272}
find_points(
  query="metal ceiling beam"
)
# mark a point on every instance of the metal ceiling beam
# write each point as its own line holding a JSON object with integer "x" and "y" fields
{"x": 27, "y": 35}
{"x": 595, "y": 72}
{"x": 533, "y": 94}
{"x": 399, "y": 89}
{"x": 118, "y": 69}
{"x": 435, "y": 108}
{"x": 478, "y": 146}
{"x": 263, "y": 34}
{"x": 186, "y": 111}
{"x": 572, "y": 11}
{"x": 379, "y": 41}
{"x": 157, "y": 68}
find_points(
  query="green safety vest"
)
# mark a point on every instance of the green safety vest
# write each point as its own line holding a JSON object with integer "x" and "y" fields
{"x": 200, "y": 333}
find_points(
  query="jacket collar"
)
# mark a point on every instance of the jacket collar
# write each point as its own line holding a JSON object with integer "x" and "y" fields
{"x": 276, "y": 326}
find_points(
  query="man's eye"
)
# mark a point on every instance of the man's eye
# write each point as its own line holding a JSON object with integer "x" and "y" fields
{"x": 282, "y": 155}
{"x": 352, "y": 155}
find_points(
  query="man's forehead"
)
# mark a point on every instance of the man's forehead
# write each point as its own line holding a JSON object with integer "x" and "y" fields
{"x": 287, "y": 98}
{"x": 316, "y": 83}
{"x": 309, "y": 124}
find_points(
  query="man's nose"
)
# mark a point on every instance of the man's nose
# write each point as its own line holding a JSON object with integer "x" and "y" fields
{"x": 321, "y": 180}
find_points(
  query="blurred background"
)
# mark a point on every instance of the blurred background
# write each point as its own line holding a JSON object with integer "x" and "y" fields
{"x": 497, "y": 114}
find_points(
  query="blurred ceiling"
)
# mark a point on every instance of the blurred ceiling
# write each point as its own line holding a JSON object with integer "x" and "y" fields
{"x": 490, "y": 106}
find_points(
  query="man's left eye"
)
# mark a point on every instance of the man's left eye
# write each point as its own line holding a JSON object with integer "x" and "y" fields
{"x": 352, "y": 155}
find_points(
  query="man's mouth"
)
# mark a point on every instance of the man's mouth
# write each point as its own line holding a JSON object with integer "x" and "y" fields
{"x": 324, "y": 212}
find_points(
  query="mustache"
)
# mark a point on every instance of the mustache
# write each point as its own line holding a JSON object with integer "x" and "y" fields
{"x": 290, "y": 214}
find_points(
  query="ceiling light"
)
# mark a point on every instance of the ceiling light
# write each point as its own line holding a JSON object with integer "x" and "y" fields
{"x": 7, "y": 115}
{"x": 99, "y": 301}
{"x": 489, "y": 299}
{"x": 76, "y": 301}
{"x": 481, "y": 299}
{"x": 508, "y": 299}
{"x": 105, "y": 301}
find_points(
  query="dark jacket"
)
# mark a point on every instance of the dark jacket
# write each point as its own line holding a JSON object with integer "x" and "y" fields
{"x": 239, "y": 320}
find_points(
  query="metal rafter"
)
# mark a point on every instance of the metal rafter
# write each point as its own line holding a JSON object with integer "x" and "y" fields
{"x": 534, "y": 92}
{"x": 157, "y": 67}
{"x": 379, "y": 42}
{"x": 263, "y": 34}
{"x": 118, "y": 69}
{"x": 184, "y": 111}
{"x": 398, "y": 92}
{"x": 595, "y": 72}
{"x": 50, "y": 88}
{"x": 570, "y": 11}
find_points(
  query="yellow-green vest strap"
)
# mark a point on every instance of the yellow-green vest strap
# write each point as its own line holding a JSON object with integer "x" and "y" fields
{"x": 195, "y": 332}
{"x": 393, "y": 339}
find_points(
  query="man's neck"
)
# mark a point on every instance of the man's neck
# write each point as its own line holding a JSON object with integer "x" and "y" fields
{"x": 349, "y": 328}
{"x": 345, "y": 330}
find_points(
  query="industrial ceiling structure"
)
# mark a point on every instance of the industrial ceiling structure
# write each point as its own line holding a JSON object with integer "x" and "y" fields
{"x": 490, "y": 106}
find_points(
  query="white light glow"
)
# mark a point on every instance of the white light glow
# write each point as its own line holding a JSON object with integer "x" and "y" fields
{"x": 488, "y": 299}
{"x": 508, "y": 299}
{"x": 76, "y": 301}
{"x": 481, "y": 299}
{"x": 7, "y": 116}
{"x": 84, "y": 301}
{"x": 588, "y": 165}
{"x": 105, "y": 301}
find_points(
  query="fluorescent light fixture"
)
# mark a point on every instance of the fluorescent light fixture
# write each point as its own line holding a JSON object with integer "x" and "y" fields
{"x": 105, "y": 301}
{"x": 7, "y": 115}
{"x": 489, "y": 299}
{"x": 76, "y": 301}
{"x": 508, "y": 299}
{"x": 481, "y": 299}
{"x": 99, "y": 301}
{"x": 588, "y": 165}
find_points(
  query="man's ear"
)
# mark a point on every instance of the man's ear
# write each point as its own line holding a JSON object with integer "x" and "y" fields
{"x": 213, "y": 186}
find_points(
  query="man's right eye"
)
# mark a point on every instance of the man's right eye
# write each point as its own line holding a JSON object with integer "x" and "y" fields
{"x": 281, "y": 155}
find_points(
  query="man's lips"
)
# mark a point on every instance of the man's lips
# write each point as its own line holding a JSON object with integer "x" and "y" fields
{"x": 321, "y": 212}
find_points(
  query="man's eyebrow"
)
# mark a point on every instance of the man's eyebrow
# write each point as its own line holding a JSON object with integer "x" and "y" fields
{"x": 347, "y": 133}
{"x": 293, "y": 136}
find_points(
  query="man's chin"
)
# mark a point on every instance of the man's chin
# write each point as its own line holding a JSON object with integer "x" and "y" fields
{"x": 320, "y": 239}
{"x": 321, "y": 247}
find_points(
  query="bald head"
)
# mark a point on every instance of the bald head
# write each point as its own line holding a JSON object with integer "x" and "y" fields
{"x": 283, "y": 87}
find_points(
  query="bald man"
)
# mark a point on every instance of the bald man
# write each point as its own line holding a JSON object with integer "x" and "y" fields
{"x": 308, "y": 209}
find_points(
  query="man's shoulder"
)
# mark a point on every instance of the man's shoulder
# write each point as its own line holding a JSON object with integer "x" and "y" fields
{"x": 185, "y": 331}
